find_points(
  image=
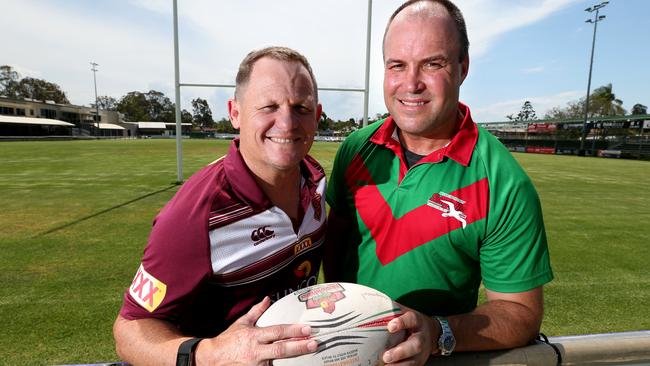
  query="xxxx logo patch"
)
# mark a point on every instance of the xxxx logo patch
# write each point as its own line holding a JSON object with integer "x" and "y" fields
{"x": 146, "y": 290}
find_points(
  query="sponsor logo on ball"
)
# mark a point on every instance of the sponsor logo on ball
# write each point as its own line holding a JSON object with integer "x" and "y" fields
{"x": 324, "y": 297}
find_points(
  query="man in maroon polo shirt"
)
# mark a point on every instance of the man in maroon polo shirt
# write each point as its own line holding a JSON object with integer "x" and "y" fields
{"x": 242, "y": 232}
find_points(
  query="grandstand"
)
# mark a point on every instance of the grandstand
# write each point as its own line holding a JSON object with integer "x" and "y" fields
{"x": 611, "y": 136}
{"x": 28, "y": 119}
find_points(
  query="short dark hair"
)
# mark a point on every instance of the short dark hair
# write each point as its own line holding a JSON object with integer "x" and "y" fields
{"x": 455, "y": 14}
{"x": 273, "y": 52}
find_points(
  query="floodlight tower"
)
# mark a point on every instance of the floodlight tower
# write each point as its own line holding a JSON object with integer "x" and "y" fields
{"x": 597, "y": 18}
{"x": 94, "y": 69}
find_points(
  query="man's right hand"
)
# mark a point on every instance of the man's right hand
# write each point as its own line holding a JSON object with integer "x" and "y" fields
{"x": 245, "y": 344}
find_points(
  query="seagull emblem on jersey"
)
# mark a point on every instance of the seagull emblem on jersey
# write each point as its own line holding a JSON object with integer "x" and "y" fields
{"x": 452, "y": 212}
{"x": 454, "y": 209}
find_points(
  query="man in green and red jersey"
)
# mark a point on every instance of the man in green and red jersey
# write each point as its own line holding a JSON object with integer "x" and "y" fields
{"x": 426, "y": 205}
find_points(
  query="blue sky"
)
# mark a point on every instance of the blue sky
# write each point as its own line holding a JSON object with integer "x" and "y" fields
{"x": 535, "y": 50}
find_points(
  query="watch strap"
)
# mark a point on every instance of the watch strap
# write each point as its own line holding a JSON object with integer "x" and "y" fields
{"x": 445, "y": 335}
{"x": 185, "y": 355}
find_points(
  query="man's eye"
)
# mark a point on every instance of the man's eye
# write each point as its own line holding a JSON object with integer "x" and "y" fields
{"x": 396, "y": 67}
{"x": 302, "y": 109}
{"x": 433, "y": 65}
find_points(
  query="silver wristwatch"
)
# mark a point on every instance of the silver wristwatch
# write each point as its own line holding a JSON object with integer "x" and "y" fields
{"x": 446, "y": 341}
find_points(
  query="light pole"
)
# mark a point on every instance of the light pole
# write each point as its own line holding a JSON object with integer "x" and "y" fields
{"x": 597, "y": 18}
{"x": 94, "y": 69}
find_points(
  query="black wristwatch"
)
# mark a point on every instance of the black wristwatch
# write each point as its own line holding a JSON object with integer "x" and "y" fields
{"x": 185, "y": 355}
{"x": 446, "y": 341}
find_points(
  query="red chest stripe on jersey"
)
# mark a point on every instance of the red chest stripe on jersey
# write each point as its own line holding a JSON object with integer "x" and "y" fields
{"x": 396, "y": 236}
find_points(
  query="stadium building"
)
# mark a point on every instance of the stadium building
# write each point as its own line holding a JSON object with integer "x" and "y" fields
{"x": 611, "y": 136}
{"x": 33, "y": 119}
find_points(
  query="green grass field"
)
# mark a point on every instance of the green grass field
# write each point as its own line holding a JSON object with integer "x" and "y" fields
{"x": 75, "y": 215}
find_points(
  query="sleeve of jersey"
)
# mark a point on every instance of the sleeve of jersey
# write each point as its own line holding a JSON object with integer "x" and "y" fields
{"x": 514, "y": 256}
{"x": 177, "y": 257}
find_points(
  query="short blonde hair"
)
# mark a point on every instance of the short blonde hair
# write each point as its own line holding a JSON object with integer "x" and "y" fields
{"x": 276, "y": 53}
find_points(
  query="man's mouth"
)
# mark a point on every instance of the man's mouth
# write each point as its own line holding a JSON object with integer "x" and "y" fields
{"x": 412, "y": 103}
{"x": 280, "y": 140}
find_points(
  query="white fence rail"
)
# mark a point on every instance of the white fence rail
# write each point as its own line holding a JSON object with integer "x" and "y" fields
{"x": 628, "y": 348}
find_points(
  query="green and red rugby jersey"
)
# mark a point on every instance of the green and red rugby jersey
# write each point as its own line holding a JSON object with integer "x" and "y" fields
{"x": 427, "y": 236}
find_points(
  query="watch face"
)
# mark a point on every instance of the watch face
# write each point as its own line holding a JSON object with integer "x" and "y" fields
{"x": 448, "y": 343}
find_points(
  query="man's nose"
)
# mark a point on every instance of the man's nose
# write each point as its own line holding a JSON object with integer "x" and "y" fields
{"x": 413, "y": 80}
{"x": 286, "y": 118}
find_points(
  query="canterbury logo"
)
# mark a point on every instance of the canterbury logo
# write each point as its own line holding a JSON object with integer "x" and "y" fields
{"x": 261, "y": 234}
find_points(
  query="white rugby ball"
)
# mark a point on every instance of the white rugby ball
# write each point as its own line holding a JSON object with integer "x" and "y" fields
{"x": 348, "y": 321}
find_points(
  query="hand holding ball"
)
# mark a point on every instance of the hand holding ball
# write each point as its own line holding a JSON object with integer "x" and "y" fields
{"x": 348, "y": 321}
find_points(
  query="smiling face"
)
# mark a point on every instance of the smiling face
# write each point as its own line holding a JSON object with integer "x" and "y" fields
{"x": 423, "y": 72}
{"x": 276, "y": 113}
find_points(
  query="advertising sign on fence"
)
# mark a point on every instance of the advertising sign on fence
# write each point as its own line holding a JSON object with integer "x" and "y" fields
{"x": 541, "y": 127}
{"x": 566, "y": 151}
{"x": 609, "y": 153}
{"x": 540, "y": 150}
{"x": 517, "y": 148}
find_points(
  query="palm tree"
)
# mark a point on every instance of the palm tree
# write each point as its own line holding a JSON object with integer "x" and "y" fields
{"x": 639, "y": 109}
{"x": 604, "y": 102}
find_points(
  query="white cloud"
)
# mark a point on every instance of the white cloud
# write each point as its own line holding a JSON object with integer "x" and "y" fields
{"x": 541, "y": 104}
{"x": 64, "y": 43}
{"x": 487, "y": 20}
{"x": 61, "y": 38}
{"x": 26, "y": 72}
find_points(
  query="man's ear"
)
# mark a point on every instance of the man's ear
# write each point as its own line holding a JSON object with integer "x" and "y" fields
{"x": 233, "y": 113}
{"x": 464, "y": 69}
{"x": 319, "y": 112}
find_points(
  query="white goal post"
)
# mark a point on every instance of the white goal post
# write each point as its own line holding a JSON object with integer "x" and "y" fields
{"x": 178, "y": 85}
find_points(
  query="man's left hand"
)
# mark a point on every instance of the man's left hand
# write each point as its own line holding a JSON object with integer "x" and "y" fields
{"x": 421, "y": 331}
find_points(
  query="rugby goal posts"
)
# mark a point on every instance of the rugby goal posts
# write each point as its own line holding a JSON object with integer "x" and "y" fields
{"x": 178, "y": 84}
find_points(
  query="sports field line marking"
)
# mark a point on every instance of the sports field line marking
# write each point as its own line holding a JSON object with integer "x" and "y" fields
{"x": 60, "y": 227}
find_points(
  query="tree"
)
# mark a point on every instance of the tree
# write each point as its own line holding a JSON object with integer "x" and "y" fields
{"x": 160, "y": 107}
{"x": 325, "y": 123}
{"x": 186, "y": 117}
{"x": 39, "y": 89}
{"x": 134, "y": 107}
{"x": 604, "y": 102}
{"x": 573, "y": 110}
{"x": 150, "y": 106}
{"x": 224, "y": 126}
{"x": 12, "y": 86}
{"x": 639, "y": 109}
{"x": 527, "y": 113}
{"x": 106, "y": 103}
{"x": 202, "y": 113}
{"x": 378, "y": 117}
{"x": 8, "y": 81}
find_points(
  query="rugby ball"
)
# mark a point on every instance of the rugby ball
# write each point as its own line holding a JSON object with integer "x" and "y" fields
{"x": 348, "y": 321}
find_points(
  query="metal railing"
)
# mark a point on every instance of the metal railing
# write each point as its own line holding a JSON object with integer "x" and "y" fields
{"x": 627, "y": 348}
